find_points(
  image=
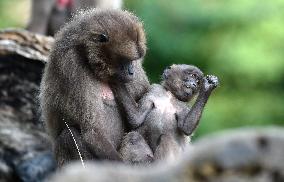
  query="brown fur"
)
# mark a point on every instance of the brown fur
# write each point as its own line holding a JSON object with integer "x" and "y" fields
{"x": 162, "y": 117}
{"x": 77, "y": 75}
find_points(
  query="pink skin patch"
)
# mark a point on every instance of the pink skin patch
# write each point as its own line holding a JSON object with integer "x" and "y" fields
{"x": 106, "y": 92}
{"x": 64, "y": 3}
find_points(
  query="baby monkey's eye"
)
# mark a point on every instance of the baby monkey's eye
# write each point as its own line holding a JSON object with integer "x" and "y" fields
{"x": 193, "y": 75}
{"x": 103, "y": 38}
{"x": 186, "y": 79}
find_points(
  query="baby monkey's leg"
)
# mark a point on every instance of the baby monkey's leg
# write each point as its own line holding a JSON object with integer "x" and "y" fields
{"x": 168, "y": 148}
{"x": 134, "y": 149}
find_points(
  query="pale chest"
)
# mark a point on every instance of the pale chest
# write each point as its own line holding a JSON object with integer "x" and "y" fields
{"x": 164, "y": 104}
{"x": 162, "y": 119}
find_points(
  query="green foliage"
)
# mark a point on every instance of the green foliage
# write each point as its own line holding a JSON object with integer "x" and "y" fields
{"x": 242, "y": 42}
{"x": 14, "y": 13}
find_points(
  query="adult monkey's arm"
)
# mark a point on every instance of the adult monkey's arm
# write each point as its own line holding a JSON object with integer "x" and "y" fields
{"x": 135, "y": 113}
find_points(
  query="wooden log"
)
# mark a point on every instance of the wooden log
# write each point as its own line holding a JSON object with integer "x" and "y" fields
{"x": 26, "y": 44}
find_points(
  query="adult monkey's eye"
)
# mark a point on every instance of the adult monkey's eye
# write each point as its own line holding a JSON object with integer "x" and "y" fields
{"x": 103, "y": 38}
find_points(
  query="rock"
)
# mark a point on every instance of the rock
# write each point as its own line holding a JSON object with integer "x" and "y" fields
{"x": 25, "y": 150}
{"x": 244, "y": 155}
{"x": 37, "y": 168}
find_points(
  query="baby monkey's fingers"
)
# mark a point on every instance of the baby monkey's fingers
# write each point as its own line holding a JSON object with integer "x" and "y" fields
{"x": 212, "y": 80}
{"x": 210, "y": 83}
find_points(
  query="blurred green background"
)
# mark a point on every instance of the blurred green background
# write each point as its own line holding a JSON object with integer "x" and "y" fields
{"x": 242, "y": 42}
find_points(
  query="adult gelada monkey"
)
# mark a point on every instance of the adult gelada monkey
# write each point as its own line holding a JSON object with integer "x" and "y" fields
{"x": 47, "y": 16}
{"x": 162, "y": 117}
{"x": 90, "y": 51}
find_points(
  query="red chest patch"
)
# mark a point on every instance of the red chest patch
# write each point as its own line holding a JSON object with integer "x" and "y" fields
{"x": 64, "y": 3}
{"x": 106, "y": 92}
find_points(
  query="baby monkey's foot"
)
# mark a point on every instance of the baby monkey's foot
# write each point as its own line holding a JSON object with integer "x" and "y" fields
{"x": 210, "y": 82}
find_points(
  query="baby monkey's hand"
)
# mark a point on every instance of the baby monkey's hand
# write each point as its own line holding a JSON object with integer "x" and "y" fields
{"x": 210, "y": 83}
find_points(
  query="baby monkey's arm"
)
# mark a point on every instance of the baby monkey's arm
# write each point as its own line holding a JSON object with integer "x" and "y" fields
{"x": 188, "y": 123}
{"x": 135, "y": 113}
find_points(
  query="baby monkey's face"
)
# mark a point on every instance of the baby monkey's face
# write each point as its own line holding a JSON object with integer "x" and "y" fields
{"x": 183, "y": 81}
{"x": 118, "y": 40}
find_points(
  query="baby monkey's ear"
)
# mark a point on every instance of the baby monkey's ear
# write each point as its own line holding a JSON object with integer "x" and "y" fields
{"x": 166, "y": 73}
{"x": 100, "y": 37}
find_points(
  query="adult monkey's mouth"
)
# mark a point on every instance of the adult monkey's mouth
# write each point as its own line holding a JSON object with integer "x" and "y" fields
{"x": 130, "y": 69}
{"x": 126, "y": 71}
{"x": 127, "y": 68}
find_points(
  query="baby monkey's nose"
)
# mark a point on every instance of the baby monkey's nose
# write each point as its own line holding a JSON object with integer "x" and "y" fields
{"x": 191, "y": 84}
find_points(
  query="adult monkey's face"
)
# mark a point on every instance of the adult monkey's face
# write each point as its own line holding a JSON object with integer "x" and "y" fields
{"x": 116, "y": 41}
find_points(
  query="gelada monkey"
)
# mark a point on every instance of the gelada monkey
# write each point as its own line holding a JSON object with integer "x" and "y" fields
{"x": 162, "y": 118}
{"x": 96, "y": 47}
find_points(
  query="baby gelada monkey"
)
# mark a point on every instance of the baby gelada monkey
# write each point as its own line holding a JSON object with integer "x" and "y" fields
{"x": 162, "y": 119}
